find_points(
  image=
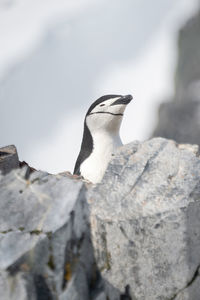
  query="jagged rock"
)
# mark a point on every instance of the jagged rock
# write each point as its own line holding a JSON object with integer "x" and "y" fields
{"x": 179, "y": 118}
{"x": 145, "y": 220}
{"x": 45, "y": 246}
{"x": 8, "y": 159}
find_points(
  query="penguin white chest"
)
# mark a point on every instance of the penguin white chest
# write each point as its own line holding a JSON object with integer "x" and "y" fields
{"x": 94, "y": 167}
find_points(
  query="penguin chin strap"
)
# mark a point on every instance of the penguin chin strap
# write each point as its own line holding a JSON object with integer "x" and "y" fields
{"x": 105, "y": 112}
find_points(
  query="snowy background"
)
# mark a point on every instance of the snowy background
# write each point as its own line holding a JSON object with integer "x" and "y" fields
{"x": 57, "y": 57}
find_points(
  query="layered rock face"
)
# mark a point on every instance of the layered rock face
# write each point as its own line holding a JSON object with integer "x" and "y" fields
{"x": 134, "y": 236}
{"x": 44, "y": 238}
{"x": 45, "y": 245}
{"x": 179, "y": 119}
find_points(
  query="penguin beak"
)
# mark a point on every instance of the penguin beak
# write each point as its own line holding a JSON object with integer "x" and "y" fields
{"x": 123, "y": 100}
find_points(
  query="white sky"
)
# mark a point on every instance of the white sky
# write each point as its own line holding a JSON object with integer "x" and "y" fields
{"x": 23, "y": 24}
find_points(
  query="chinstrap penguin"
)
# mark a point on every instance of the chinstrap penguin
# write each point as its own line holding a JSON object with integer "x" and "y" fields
{"x": 101, "y": 136}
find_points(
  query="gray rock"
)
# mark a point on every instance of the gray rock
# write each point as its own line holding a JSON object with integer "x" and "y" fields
{"x": 180, "y": 121}
{"x": 45, "y": 245}
{"x": 135, "y": 236}
{"x": 45, "y": 194}
{"x": 145, "y": 219}
{"x": 14, "y": 244}
{"x": 13, "y": 287}
{"x": 192, "y": 291}
{"x": 8, "y": 159}
{"x": 179, "y": 118}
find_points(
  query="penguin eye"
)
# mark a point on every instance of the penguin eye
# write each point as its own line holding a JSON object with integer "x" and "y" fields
{"x": 102, "y": 104}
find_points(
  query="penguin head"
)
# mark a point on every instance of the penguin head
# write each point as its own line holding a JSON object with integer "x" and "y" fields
{"x": 106, "y": 113}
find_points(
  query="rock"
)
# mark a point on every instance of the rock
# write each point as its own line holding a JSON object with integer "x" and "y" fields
{"x": 8, "y": 159}
{"x": 145, "y": 220}
{"x": 179, "y": 117}
{"x": 24, "y": 163}
{"x": 45, "y": 245}
{"x": 192, "y": 291}
{"x": 134, "y": 236}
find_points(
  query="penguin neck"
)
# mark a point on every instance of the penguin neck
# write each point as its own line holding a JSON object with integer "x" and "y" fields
{"x": 97, "y": 148}
{"x": 104, "y": 145}
{"x": 104, "y": 141}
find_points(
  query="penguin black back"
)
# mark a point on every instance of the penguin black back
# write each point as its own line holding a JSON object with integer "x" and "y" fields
{"x": 86, "y": 149}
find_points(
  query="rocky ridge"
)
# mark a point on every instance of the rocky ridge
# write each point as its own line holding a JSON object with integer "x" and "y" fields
{"x": 134, "y": 236}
